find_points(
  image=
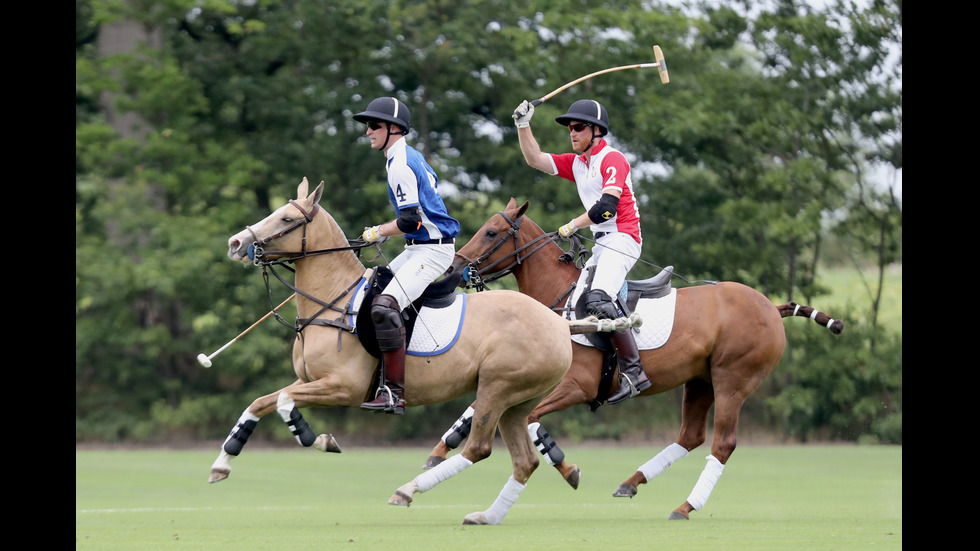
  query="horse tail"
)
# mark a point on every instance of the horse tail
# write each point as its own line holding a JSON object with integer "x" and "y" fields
{"x": 793, "y": 309}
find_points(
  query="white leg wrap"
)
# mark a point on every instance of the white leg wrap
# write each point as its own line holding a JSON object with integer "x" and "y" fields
{"x": 284, "y": 405}
{"x": 662, "y": 460}
{"x": 507, "y": 498}
{"x": 441, "y": 472}
{"x": 706, "y": 483}
{"x": 247, "y": 416}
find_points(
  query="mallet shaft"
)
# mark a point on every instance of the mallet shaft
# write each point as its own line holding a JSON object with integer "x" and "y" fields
{"x": 545, "y": 98}
{"x": 243, "y": 333}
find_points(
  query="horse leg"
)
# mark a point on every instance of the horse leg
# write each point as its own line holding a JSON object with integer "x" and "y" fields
{"x": 698, "y": 397}
{"x": 282, "y": 402}
{"x": 478, "y": 447}
{"x": 451, "y": 439}
{"x": 524, "y": 461}
{"x": 726, "y": 421}
{"x": 569, "y": 392}
{"x": 564, "y": 396}
{"x": 233, "y": 444}
{"x": 290, "y": 414}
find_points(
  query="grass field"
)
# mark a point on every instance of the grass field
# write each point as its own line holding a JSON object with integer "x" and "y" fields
{"x": 769, "y": 498}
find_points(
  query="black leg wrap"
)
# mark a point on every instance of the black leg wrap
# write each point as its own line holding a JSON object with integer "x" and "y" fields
{"x": 459, "y": 431}
{"x": 239, "y": 435}
{"x": 300, "y": 428}
{"x": 547, "y": 446}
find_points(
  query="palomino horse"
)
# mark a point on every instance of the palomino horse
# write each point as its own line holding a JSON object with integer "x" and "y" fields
{"x": 726, "y": 339}
{"x": 510, "y": 349}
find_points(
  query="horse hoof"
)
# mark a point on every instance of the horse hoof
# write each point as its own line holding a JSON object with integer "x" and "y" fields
{"x": 400, "y": 498}
{"x": 625, "y": 490}
{"x": 327, "y": 443}
{"x": 677, "y": 515}
{"x": 573, "y": 477}
{"x": 432, "y": 461}
{"x": 217, "y": 475}
{"x": 475, "y": 519}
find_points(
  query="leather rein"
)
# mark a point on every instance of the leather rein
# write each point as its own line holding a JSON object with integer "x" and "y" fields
{"x": 479, "y": 277}
{"x": 259, "y": 254}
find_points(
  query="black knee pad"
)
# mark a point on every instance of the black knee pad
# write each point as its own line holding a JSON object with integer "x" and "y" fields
{"x": 388, "y": 325}
{"x": 598, "y": 304}
{"x": 385, "y": 312}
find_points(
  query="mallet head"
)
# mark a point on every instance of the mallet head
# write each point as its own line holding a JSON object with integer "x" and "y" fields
{"x": 203, "y": 360}
{"x": 661, "y": 64}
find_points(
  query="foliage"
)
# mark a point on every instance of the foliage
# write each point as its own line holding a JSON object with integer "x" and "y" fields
{"x": 766, "y": 140}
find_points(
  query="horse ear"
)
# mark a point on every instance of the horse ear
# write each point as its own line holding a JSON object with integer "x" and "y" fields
{"x": 512, "y": 203}
{"x": 303, "y": 188}
{"x": 317, "y": 193}
{"x": 522, "y": 210}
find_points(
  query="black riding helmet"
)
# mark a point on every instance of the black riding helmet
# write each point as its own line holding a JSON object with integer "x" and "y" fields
{"x": 586, "y": 110}
{"x": 390, "y": 110}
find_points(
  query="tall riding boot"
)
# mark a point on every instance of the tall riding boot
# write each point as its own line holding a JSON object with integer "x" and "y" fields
{"x": 386, "y": 315}
{"x": 390, "y": 398}
{"x": 632, "y": 378}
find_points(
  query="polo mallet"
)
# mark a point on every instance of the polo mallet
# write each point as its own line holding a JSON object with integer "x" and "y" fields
{"x": 206, "y": 360}
{"x": 660, "y": 64}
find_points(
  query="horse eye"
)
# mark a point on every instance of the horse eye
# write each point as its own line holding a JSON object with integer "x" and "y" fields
{"x": 491, "y": 233}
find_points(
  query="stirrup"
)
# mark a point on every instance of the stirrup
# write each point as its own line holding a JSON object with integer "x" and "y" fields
{"x": 390, "y": 405}
{"x": 625, "y": 379}
{"x": 626, "y": 382}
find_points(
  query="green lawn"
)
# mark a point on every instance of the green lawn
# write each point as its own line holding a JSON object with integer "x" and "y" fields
{"x": 769, "y": 498}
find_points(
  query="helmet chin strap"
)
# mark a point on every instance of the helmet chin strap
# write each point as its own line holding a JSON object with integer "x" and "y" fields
{"x": 592, "y": 141}
{"x": 390, "y": 134}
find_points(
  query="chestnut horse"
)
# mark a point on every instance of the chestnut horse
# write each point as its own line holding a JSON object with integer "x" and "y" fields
{"x": 509, "y": 349}
{"x": 726, "y": 339}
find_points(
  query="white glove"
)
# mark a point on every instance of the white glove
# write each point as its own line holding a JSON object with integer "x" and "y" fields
{"x": 371, "y": 234}
{"x": 567, "y": 230}
{"x": 522, "y": 115}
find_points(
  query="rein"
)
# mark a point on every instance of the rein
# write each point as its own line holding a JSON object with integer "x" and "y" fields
{"x": 259, "y": 254}
{"x": 479, "y": 277}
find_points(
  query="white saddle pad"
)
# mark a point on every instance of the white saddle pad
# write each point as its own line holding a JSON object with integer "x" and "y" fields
{"x": 436, "y": 329}
{"x": 658, "y": 322}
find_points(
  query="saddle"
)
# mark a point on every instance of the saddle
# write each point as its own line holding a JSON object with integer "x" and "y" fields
{"x": 626, "y": 300}
{"x": 441, "y": 293}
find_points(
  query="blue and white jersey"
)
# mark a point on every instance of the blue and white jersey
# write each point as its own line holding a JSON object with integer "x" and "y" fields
{"x": 412, "y": 182}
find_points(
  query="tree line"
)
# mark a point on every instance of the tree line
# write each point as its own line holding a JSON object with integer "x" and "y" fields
{"x": 760, "y": 162}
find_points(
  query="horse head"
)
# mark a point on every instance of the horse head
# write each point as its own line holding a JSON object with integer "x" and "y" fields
{"x": 500, "y": 247}
{"x": 274, "y": 236}
{"x": 494, "y": 242}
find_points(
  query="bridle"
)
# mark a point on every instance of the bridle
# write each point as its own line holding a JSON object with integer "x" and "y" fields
{"x": 258, "y": 254}
{"x": 477, "y": 277}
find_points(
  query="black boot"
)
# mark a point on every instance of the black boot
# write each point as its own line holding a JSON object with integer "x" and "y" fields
{"x": 632, "y": 379}
{"x": 390, "y": 398}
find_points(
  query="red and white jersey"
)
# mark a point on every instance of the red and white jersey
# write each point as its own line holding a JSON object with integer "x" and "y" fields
{"x": 608, "y": 169}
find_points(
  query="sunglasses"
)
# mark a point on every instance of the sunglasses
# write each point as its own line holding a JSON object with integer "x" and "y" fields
{"x": 579, "y": 126}
{"x": 374, "y": 125}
